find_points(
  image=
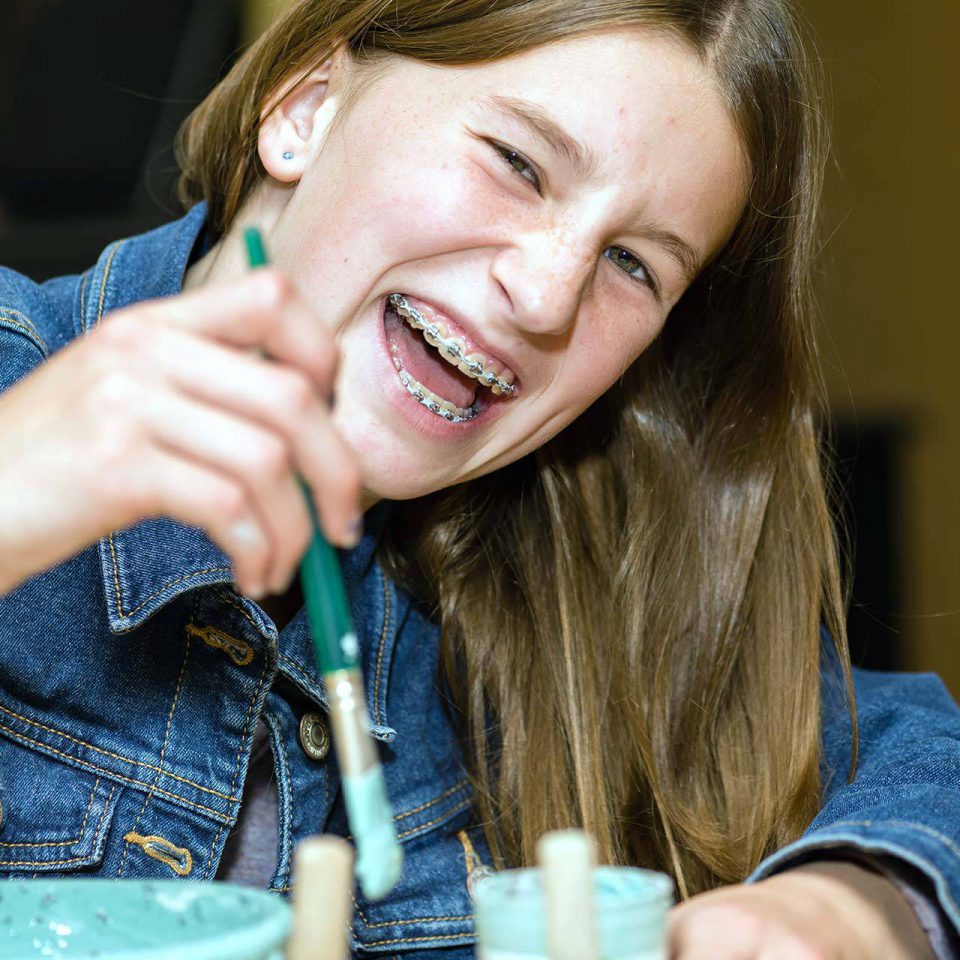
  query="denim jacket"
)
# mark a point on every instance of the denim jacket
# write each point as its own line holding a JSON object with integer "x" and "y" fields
{"x": 133, "y": 675}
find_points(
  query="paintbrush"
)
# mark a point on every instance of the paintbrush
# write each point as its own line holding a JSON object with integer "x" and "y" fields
{"x": 379, "y": 857}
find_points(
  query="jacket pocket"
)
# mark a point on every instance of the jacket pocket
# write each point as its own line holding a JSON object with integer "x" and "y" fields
{"x": 431, "y": 907}
{"x": 53, "y": 817}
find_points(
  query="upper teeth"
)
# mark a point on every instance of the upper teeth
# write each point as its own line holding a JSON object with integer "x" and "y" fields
{"x": 451, "y": 349}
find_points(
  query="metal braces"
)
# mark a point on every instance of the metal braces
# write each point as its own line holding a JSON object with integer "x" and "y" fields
{"x": 449, "y": 347}
{"x": 417, "y": 393}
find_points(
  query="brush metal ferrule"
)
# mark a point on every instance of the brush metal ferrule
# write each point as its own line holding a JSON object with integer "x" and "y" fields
{"x": 350, "y": 720}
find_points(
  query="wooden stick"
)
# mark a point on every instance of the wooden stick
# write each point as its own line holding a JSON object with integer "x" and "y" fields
{"x": 567, "y": 858}
{"x": 322, "y": 901}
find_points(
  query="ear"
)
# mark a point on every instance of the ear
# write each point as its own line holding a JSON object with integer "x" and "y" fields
{"x": 294, "y": 124}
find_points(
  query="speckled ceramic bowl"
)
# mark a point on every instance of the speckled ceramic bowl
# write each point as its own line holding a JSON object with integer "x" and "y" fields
{"x": 139, "y": 920}
{"x": 631, "y": 912}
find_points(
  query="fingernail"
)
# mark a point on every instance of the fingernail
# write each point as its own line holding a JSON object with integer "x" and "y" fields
{"x": 354, "y": 532}
{"x": 246, "y": 532}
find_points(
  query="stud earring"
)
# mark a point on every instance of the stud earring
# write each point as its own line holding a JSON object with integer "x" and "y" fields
{"x": 287, "y": 154}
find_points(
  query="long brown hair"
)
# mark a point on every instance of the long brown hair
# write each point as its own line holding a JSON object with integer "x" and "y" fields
{"x": 630, "y": 616}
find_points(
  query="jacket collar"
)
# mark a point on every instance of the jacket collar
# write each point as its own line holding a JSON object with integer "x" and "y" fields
{"x": 141, "y": 268}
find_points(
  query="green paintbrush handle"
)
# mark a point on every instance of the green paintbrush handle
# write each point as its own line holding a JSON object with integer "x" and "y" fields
{"x": 379, "y": 855}
{"x": 328, "y": 613}
{"x": 334, "y": 641}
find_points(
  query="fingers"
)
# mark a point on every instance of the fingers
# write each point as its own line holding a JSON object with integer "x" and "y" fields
{"x": 258, "y": 458}
{"x": 204, "y": 346}
{"x": 738, "y": 923}
{"x": 261, "y": 311}
{"x": 196, "y": 494}
{"x": 282, "y": 400}
{"x": 707, "y": 933}
{"x": 164, "y": 409}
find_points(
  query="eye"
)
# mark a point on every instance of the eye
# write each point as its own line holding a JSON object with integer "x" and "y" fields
{"x": 632, "y": 265}
{"x": 523, "y": 167}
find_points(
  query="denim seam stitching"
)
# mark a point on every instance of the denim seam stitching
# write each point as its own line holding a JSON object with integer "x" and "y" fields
{"x": 439, "y": 936}
{"x": 443, "y": 816}
{"x": 155, "y": 594}
{"x": 83, "y": 300}
{"x": 401, "y": 923}
{"x": 60, "y": 863}
{"x": 430, "y": 803}
{"x": 289, "y": 791}
{"x": 236, "y": 766}
{"x": 922, "y": 827}
{"x": 106, "y": 276}
{"x": 116, "y": 580}
{"x": 103, "y": 292}
{"x": 163, "y": 750}
{"x": 383, "y": 639}
{"x": 224, "y": 595}
{"x": 111, "y": 774}
{"x": 454, "y": 809}
{"x": 64, "y": 843}
{"x": 115, "y": 756}
{"x": 23, "y": 324}
{"x": 293, "y": 666}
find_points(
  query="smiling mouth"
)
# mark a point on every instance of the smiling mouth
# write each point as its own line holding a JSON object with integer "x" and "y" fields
{"x": 437, "y": 366}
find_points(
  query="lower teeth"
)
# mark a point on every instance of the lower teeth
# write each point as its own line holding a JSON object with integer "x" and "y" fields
{"x": 435, "y": 404}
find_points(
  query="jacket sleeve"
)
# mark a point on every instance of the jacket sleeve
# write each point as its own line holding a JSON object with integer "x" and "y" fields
{"x": 23, "y": 316}
{"x": 904, "y": 803}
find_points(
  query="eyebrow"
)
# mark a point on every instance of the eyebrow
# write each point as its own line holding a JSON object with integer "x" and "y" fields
{"x": 532, "y": 115}
{"x": 586, "y": 163}
{"x": 679, "y": 251}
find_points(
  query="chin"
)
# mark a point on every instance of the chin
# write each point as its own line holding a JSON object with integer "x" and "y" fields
{"x": 393, "y": 468}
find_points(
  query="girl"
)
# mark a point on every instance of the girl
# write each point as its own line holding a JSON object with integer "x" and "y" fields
{"x": 542, "y": 310}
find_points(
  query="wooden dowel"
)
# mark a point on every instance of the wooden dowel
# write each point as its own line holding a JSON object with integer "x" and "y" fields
{"x": 322, "y": 901}
{"x": 567, "y": 859}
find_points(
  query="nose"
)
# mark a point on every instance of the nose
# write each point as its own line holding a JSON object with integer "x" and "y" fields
{"x": 544, "y": 276}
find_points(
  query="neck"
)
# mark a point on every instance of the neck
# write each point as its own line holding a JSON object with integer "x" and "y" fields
{"x": 226, "y": 260}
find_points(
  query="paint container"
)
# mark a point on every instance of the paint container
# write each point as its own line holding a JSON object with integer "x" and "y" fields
{"x": 630, "y": 909}
{"x": 139, "y": 920}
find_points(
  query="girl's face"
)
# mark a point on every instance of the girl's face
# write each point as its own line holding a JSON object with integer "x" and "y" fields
{"x": 540, "y": 215}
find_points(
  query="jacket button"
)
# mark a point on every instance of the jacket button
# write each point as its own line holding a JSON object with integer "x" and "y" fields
{"x": 314, "y": 736}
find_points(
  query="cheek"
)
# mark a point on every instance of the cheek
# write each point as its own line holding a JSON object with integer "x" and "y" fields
{"x": 353, "y": 226}
{"x": 605, "y": 346}
{"x": 428, "y": 207}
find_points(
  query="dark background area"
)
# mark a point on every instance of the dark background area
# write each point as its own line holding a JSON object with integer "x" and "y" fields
{"x": 93, "y": 94}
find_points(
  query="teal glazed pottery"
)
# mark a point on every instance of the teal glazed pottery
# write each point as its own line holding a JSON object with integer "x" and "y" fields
{"x": 139, "y": 920}
{"x": 631, "y": 910}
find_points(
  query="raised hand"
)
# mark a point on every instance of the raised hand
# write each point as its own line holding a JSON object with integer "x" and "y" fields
{"x": 823, "y": 911}
{"x": 170, "y": 408}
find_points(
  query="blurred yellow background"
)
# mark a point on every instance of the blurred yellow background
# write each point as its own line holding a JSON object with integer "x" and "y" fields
{"x": 889, "y": 276}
